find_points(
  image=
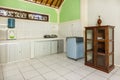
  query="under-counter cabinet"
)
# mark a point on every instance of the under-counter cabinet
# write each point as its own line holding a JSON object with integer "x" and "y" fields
{"x": 3, "y": 54}
{"x": 18, "y": 51}
{"x": 41, "y": 48}
{"x": 14, "y": 52}
{"x": 60, "y": 46}
{"x": 54, "y": 46}
{"x": 99, "y": 47}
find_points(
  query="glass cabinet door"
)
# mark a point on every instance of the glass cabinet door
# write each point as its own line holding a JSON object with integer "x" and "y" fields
{"x": 89, "y": 45}
{"x": 110, "y": 59}
{"x": 110, "y": 40}
{"x": 89, "y": 33}
{"x": 101, "y": 60}
{"x": 110, "y": 34}
{"x": 90, "y": 56}
{"x": 110, "y": 51}
{"x": 100, "y": 33}
{"x": 101, "y": 40}
{"x": 100, "y": 54}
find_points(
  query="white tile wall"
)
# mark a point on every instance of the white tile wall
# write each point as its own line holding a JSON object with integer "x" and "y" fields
{"x": 31, "y": 29}
{"x": 71, "y": 28}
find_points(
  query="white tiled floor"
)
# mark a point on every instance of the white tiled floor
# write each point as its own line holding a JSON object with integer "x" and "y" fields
{"x": 54, "y": 67}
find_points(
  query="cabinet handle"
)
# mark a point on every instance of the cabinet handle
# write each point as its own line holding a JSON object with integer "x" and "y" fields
{"x": 20, "y": 51}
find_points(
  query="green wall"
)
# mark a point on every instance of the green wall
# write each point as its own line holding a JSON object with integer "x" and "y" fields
{"x": 70, "y": 10}
{"x": 21, "y": 4}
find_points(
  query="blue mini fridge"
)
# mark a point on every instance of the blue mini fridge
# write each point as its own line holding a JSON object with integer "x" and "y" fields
{"x": 75, "y": 48}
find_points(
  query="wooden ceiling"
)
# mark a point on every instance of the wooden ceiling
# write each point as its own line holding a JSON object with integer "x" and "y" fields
{"x": 50, "y": 3}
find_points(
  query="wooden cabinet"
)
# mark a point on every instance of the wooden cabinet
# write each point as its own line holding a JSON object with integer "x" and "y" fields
{"x": 99, "y": 47}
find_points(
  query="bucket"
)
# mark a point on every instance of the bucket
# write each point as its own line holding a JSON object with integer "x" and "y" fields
{"x": 11, "y": 23}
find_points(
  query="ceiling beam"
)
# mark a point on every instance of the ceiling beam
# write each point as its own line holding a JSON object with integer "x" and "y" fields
{"x": 51, "y": 3}
{"x": 38, "y": 1}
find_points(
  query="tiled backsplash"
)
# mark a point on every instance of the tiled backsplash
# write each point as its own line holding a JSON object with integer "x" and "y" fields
{"x": 71, "y": 28}
{"x": 31, "y": 29}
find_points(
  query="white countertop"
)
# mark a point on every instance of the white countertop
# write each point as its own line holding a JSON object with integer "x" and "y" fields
{"x": 28, "y": 40}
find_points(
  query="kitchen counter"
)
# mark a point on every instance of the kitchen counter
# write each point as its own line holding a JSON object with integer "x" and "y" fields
{"x": 21, "y": 49}
{"x": 28, "y": 40}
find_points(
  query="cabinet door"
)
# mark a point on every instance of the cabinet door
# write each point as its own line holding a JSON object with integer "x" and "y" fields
{"x": 60, "y": 47}
{"x": 18, "y": 51}
{"x": 41, "y": 48}
{"x": 38, "y": 48}
{"x": 53, "y": 47}
{"x": 101, "y": 47}
{"x": 25, "y": 49}
{"x": 111, "y": 46}
{"x": 3, "y": 54}
{"x": 46, "y": 47}
{"x": 89, "y": 51}
{"x": 12, "y": 50}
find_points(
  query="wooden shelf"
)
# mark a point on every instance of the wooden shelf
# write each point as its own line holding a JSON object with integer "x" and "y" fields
{"x": 89, "y": 39}
{"x": 99, "y": 53}
{"x": 101, "y": 40}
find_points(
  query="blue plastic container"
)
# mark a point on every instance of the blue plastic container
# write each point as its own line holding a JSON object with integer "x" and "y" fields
{"x": 75, "y": 47}
{"x": 11, "y": 23}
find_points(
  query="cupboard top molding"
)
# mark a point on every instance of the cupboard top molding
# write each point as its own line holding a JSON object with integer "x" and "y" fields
{"x": 19, "y": 14}
{"x": 100, "y": 26}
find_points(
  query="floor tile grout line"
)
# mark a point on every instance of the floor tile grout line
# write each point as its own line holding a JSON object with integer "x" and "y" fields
{"x": 38, "y": 72}
{"x": 70, "y": 69}
{"x": 54, "y": 70}
{"x": 113, "y": 73}
{"x": 28, "y": 71}
{"x": 63, "y": 66}
{"x": 57, "y": 72}
{"x": 2, "y": 72}
{"x": 88, "y": 74}
{"x": 103, "y": 76}
{"x": 110, "y": 75}
{"x": 20, "y": 71}
{"x": 47, "y": 66}
{"x": 42, "y": 63}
